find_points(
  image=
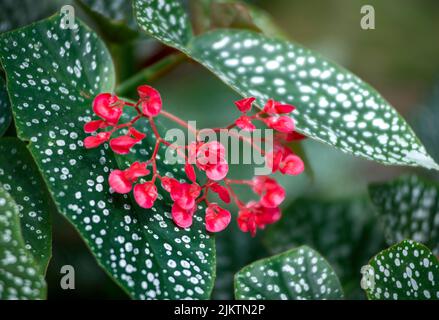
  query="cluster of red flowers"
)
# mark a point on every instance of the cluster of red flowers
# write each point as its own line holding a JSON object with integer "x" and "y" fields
{"x": 207, "y": 157}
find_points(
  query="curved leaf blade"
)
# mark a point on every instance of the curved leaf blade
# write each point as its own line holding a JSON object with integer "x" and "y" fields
{"x": 297, "y": 274}
{"x": 333, "y": 105}
{"x": 142, "y": 250}
{"x": 405, "y": 271}
{"x": 344, "y": 232}
{"x": 166, "y": 21}
{"x": 20, "y": 277}
{"x": 409, "y": 209}
{"x": 21, "y": 178}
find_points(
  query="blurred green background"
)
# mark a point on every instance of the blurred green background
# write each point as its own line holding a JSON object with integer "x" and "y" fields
{"x": 400, "y": 58}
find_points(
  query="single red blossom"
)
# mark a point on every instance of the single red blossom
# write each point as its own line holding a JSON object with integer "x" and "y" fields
{"x": 182, "y": 217}
{"x": 210, "y": 157}
{"x": 272, "y": 194}
{"x": 97, "y": 140}
{"x": 123, "y": 144}
{"x": 151, "y": 101}
{"x": 292, "y": 165}
{"x": 190, "y": 172}
{"x": 121, "y": 181}
{"x": 282, "y": 124}
{"x": 254, "y": 216}
{"x": 245, "y": 123}
{"x": 145, "y": 194}
{"x": 169, "y": 183}
{"x": 275, "y": 157}
{"x": 245, "y": 105}
{"x": 217, "y": 171}
{"x": 221, "y": 191}
{"x": 94, "y": 125}
{"x": 185, "y": 194}
{"x": 273, "y": 107}
{"x": 108, "y": 107}
{"x": 217, "y": 218}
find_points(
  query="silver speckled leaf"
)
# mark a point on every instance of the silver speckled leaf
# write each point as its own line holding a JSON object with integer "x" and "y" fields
{"x": 297, "y": 274}
{"x": 20, "y": 277}
{"x": 53, "y": 76}
{"x": 405, "y": 271}
{"x": 333, "y": 105}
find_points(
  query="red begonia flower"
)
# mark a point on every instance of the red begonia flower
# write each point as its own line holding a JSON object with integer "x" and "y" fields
{"x": 217, "y": 218}
{"x": 151, "y": 102}
{"x": 245, "y": 105}
{"x": 107, "y": 107}
{"x": 245, "y": 123}
{"x": 145, "y": 194}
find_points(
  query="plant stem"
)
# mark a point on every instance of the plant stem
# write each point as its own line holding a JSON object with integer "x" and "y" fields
{"x": 150, "y": 74}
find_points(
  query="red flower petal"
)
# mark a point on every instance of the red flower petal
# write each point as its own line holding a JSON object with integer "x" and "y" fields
{"x": 136, "y": 170}
{"x": 272, "y": 194}
{"x": 92, "y": 126}
{"x": 217, "y": 172}
{"x": 94, "y": 141}
{"x": 136, "y": 134}
{"x": 103, "y": 106}
{"x": 190, "y": 172}
{"x": 151, "y": 100}
{"x": 145, "y": 194}
{"x": 221, "y": 191}
{"x": 245, "y": 123}
{"x": 281, "y": 124}
{"x": 217, "y": 218}
{"x": 284, "y": 108}
{"x": 119, "y": 182}
{"x": 123, "y": 144}
{"x": 292, "y": 165}
{"x": 245, "y": 105}
{"x": 182, "y": 217}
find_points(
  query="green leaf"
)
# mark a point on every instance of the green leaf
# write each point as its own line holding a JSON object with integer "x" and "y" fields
{"x": 20, "y": 277}
{"x": 344, "y": 231}
{"x": 333, "y": 105}
{"x": 53, "y": 75}
{"x": 5, "y": 108}
{"x": 297, "y": 274}
{"x": 21, "y": 178}
{"x": 166, "y": 21}
{"x": 405, "y": 271}
{"x": 409, "y": 209}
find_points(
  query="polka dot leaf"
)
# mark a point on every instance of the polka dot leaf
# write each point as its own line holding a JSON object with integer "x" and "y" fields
{"x": 166, "y": 20}
{"x": 333, "y": 105}
{"x": 20, "y": 277}
{"x": 405, "y": 271}
{"x": 337, "y": 229}
{"x": 53, "y": 75}
{"x": 5, "y": 108}
{"x": 21, "y": 178}
{"x": 297, "y": 274}
{"x": 409, "y": 209}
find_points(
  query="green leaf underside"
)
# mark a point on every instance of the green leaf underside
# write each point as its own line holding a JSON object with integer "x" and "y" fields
{"x": 20, "y": 277}
{"x": 333, "y": 105}
{"x": 297, "y": 274}
{"x": 21, "y": 178}
{"x": 342, "y": 231}
{"x": 53, "y": 75}
{"x": 5, "y": 108}
{"x": 165, "y": 20}
{"x": 405, "y": 271}
{"x": 409, "y": 209}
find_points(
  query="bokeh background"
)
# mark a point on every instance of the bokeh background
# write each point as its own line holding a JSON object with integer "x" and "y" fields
{"x": 400, "y": 58}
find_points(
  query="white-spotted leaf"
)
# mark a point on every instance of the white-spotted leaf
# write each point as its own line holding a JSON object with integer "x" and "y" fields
{"x": 166, "y": 20}
{"x": 405, "y": 271}
{"x": 297, "y": 274}
{"x": 333, "y": 105}
{"x": 345, "y": 232}
{"x": 21, "y": 178}
{"x": 53, "y": 75}
{"x": 409, "y": 209}
{"x": 20, "y": 276}
{"x": 5, "y": 108}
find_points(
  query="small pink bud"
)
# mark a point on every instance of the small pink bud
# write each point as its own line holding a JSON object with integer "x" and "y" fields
{"x": 217, "y": 218}
{"x": 221, "y": 191}
{"x": 119, "y": 182}
{"x": 292, "y": 165}
{"x": 104, "y": 107}
{"x": 245, "y": 105}
{"x": 151, "y": 101}
{"x": 281, "y": 124}
{"x": 182, "y": 217}
{"x": 245, "y": 123}
{"x": 145, "y": 194}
